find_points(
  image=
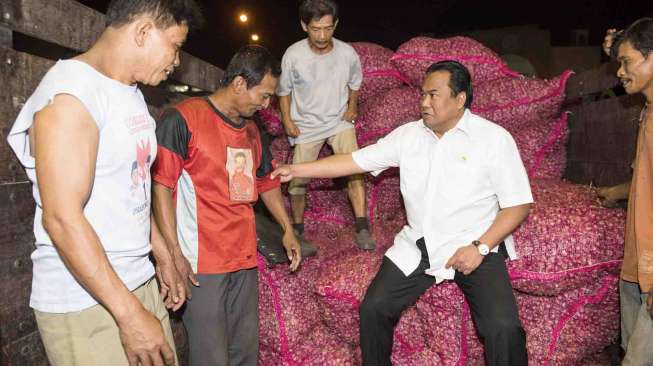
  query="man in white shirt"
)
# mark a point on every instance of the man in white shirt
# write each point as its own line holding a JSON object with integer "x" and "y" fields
{"x": 465, "y": 190}
{"x": 87, "y": 140}
{"x": 318, "y": 97}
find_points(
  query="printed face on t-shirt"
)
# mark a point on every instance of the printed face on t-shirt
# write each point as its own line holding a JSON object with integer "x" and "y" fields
{"x": 241, "y": 181}
{"x": 240, "y": 162}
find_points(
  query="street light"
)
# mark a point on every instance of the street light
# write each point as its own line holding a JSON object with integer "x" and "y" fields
{"x": 255, "y": 37}
{"x": 243, "y": 18}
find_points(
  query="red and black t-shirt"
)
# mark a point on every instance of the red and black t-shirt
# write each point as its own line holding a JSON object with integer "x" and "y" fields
{"x": 216, "y": 168}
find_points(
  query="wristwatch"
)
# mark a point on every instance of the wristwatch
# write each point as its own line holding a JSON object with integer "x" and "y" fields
{"x": 483, "y": 249}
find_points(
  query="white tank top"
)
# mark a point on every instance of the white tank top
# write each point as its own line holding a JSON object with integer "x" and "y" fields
{"x": 118, "y": 208}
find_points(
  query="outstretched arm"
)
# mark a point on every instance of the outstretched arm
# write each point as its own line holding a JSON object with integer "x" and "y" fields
{"x": 339, "y": 165}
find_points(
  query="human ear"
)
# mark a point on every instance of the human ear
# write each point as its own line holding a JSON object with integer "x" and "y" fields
{"x": 142, "y": 29}
{"x": 239, "y": 84}
{"x": 461, "y": 98}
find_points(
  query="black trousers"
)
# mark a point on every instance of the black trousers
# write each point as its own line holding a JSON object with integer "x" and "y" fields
{"x": 487, "y": 290}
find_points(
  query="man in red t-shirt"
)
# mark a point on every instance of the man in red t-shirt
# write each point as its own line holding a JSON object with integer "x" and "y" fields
{"x": 210, "y": 169}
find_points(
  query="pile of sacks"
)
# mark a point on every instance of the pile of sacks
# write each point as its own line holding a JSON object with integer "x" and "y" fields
{"x": 570, "y": 248}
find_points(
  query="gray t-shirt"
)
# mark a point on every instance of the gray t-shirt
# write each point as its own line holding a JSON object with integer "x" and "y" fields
{"x": 320, "y": 88}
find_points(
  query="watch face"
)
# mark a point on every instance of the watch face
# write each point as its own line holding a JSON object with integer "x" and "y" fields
{"x": 483, "y": 249}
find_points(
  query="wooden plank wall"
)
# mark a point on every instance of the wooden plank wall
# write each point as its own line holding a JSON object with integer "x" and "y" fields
{"x": 72, "y": 25}
{"x": 602, "y": 129}
{"x": 21, "y": 345}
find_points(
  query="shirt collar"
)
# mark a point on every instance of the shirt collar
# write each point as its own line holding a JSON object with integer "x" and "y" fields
{"x": 462, "y": 125}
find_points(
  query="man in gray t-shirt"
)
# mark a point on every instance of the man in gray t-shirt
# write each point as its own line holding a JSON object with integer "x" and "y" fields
{"x": 318, "y": 93}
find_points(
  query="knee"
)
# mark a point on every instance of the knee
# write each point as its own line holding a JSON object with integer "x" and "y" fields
{"x": 297, "y": 187}
{"x": 506, "y": 327}
{"x": 356, "y": 180}
{"x": 371, "y": 306}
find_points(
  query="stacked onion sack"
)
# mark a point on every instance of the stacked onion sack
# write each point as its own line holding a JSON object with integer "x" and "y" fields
{"x": 570, "y": 248}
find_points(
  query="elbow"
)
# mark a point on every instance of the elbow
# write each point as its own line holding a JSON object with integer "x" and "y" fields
{"x": 51, "y": 222}
{"x": 56, "y": 223}
{"x": 518, "y": 214}
{"x": 160, "y": 193}
{"x": 526, "y": 210}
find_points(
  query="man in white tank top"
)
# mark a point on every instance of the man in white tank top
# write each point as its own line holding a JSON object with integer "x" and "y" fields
{"x": 87, "y": 142}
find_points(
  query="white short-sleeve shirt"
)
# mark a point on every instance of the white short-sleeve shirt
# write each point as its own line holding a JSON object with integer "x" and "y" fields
{"x": 453, "y": 186}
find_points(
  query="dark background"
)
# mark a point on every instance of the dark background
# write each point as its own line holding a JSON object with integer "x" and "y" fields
{"x": 391, "y": 23}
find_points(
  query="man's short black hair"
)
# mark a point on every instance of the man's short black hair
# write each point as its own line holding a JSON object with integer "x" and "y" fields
{"x": 639, "y": 34}
{"x": 251, "y": 62}
{"x": 316, "y": 9}
{"x": 166, "y": 13}
{"x": 459, "y": 78}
